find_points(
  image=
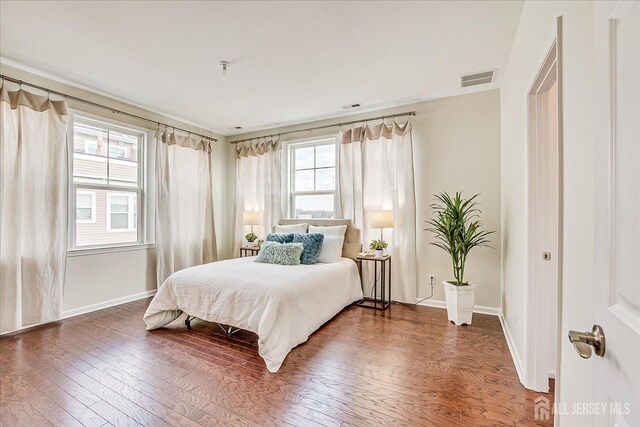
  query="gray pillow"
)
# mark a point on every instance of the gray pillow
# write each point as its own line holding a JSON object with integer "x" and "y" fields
{"x": 280, "y": 253}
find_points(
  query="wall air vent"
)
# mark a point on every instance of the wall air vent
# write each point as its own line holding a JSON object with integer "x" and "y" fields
{"x": 351, "y": 106}
{"x": 478, "y": 78}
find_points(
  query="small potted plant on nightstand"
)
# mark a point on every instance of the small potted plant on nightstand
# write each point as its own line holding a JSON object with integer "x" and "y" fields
{"x": 251, "y": 239}
{"x": 378, "y": 246}
{"x": 457, "y": 228}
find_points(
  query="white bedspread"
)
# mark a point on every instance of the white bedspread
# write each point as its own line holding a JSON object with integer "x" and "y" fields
{"x": 282, "y": 304}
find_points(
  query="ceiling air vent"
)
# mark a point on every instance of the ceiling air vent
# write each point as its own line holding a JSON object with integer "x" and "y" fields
{"x": 351, "y": 106}
{"x": 478, "y": 78}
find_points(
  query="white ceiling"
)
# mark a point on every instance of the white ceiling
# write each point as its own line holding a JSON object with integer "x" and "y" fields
{"x": 291, "y": 61}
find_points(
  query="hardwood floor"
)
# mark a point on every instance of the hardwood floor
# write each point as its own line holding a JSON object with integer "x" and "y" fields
{"x": 404, "y": 367}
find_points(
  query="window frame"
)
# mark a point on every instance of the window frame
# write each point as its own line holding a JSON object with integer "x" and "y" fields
{"x": 140, "y": 189}
{"x": 291, "y": 172}
{"x": 91, "y": 220}
{"x": 131, "y": 213}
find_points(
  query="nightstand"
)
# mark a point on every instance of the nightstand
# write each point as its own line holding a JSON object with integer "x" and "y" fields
{"x": 381, "y": 299}
{"x": 249, "y": 251}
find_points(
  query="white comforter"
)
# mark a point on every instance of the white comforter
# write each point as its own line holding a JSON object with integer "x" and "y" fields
{"x": 282, "y": 304}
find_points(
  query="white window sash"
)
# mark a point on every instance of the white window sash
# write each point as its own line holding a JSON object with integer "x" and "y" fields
{"x": 139, "y": 190}
{"x": 92, "y": 194}
{"x": 130, "y": 213}
{"x": 315, "y": 142}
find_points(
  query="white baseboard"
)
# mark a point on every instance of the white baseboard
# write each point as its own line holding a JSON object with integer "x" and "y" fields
{"x": 106, "y": 304}
{"x": 93, "y": 307}
{"x": 480, "y": 309}
{"x": 512, "y": 349}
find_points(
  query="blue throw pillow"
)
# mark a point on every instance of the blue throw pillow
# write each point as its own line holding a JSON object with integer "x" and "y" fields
{"x": 280, "y": 237}
{"x": 312, "y": 243}
{"x": 280, "y": 253}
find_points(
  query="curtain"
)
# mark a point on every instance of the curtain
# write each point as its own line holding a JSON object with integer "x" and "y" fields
{"x": 185, "y": 234}
{"x": 376, "y": 173}
{"x": 33, "y": 208}
{"x": 258, "y": 187}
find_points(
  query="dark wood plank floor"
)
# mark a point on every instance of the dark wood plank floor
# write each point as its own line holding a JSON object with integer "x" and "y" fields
{"x": 403, "y": 367}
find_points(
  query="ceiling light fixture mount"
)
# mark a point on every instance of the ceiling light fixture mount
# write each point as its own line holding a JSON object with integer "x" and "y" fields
{"x": 224, "y": 67}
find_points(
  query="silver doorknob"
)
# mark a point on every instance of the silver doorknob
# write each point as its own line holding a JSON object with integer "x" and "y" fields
{"x": 584, "y": 341}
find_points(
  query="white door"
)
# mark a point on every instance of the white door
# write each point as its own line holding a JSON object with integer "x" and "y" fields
{"x": 616, "y": 376}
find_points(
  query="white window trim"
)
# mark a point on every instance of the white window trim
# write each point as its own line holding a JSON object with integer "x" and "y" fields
{"x": 143, "y": 169}
{"x": 291, "y": 193}
{"x": 92, "y": 220}
{"x": 131, "y": 226}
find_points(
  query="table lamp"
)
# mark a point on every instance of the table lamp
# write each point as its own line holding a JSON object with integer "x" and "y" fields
{"x": 381, "y": 220}
{"x": 251, "y": 218}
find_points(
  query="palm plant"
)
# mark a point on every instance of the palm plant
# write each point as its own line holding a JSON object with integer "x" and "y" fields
{"x": 457, "y": 228}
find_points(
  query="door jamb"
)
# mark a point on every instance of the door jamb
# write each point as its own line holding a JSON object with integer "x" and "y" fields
{"x": 534, "y": 350}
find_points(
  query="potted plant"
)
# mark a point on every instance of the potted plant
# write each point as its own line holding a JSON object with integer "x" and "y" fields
{"x": 378, "y": 246}
{"x": 251, "y": 239}
{"x": 457, "y": 228}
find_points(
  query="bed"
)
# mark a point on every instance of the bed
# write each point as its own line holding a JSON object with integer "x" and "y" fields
{"x": 281, "y": 304}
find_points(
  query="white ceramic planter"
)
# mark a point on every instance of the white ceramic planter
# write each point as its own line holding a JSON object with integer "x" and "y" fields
{"x": 379, "y": 253}
{"x": 251, "y": 244}
{"x": 460, "y": 302}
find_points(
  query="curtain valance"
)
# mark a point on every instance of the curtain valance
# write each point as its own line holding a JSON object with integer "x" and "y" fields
{"x": 369, "y": 132}
{"x": 187, "y": 141}
{"x": 261, "y": 147}
{"x": 22, "y": 98}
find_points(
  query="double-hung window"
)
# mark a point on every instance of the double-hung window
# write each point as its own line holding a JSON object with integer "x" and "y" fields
{"x": 312, "y": 179}
{"x": 107, "y": 188}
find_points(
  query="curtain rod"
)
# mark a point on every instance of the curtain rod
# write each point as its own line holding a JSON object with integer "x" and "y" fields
{"x": 406, "y": 113}
{"x": 95, "y": 104}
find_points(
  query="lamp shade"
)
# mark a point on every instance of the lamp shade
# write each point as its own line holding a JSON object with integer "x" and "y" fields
{"x": 381, "y": 219}
{"x": 251, "y": 218}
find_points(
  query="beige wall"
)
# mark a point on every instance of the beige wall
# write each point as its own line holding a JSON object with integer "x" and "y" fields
{"x": 532, "y": 42}
{"x": 99, "y": 278}
{"x": 456, "y": 147}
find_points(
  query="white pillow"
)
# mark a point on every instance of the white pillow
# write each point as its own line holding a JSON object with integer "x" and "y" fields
{"x": 331, "y": 250}
{"x": 333, "y": 230}
{"x": 292, "y": 228}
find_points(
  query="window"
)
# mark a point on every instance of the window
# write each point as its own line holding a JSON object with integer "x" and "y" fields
{"x": 312, "y": 179}
{"x": 85, "y": 207}
{"x": 106, "y": 169}
{"x": 121, "y": 212}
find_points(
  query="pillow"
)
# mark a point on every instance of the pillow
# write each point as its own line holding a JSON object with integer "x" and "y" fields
{"x": 312, "y": 244}
{"x": 280, "y": 253}
{"x": 280, "y": 237}
{"x": 333, "y": 230}
{"x": 331, "y": 250}
{"x": 292, "y": 228}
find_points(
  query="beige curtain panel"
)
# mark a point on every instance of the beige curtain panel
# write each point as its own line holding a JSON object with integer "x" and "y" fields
{"x": 185, "y": 233}
{"x": 258, "y": 187}
{"x": 33, "y": 208}
{"x": 376, "y": 174}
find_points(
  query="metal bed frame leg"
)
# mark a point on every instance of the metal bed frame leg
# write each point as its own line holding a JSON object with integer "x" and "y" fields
{"x": 230, "y": 330}
{"x": 188, "y": 320}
